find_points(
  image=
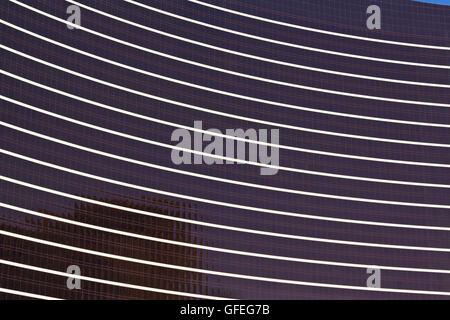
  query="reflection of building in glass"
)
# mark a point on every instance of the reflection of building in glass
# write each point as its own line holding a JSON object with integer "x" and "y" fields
{"x": 363, "y": 117}
{"x": 122, "y": 271}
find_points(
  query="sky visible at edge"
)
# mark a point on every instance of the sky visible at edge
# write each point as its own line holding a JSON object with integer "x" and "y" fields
{"x": 447, "y": 2}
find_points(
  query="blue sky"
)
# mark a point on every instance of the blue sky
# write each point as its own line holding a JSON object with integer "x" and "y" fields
{"x": 436, "y": 1}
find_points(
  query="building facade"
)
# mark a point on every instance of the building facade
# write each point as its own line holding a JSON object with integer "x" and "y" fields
{"x": 358, "y": 207}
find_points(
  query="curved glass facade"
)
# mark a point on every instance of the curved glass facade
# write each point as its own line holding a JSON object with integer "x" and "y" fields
{"x": 362, "y": 166}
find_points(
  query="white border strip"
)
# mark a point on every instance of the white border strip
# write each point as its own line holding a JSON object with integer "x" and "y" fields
{"x": 348, "y": 94}
{"x": 176, "y": 125}
{"x": 112, "y": 283}
{"x": 302, "y": 47}
{"x": 298, "y": 66}
{"x": 206, "y": 224}
{"x": 222, "y": 250}
{"x": 212, "y": 111}
{"x": 243, "y": 207}
{"x": 27, "y": 294}
{"x": 408, "y": 44}
{"x": 431, "y": 144}
{"x": 168, "y": 146}
{"x": 305, "y": 193}
{"x": 188, "y": 269}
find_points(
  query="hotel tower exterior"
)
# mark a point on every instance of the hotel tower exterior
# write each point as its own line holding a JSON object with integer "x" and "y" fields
{"x": 94, "y": 207}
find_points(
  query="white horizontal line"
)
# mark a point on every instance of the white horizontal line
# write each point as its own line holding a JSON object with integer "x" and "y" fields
{"x": 416, "y": 45}
{"x": 226, "y": 204}
{"x": 187, "y": 105}
{"x": 176, "y": 125}
{"x": 112, "y": 283}
{"x": 168, "y": 146}
{"x": 424, "y": 103}
{"x": 207, "y": 224}
{"x": 216, "y": 112}
{"x": 237, "y": 206}
{"x": 214, "y": 133}
{"x": 305, "y": 47}
{"x": 230, "y": 251}
{"x": 188, "y": 269}
{"x": 27, "y": 294}
{"x": 306, "y": 193}
{"x": 298, "y": 66}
